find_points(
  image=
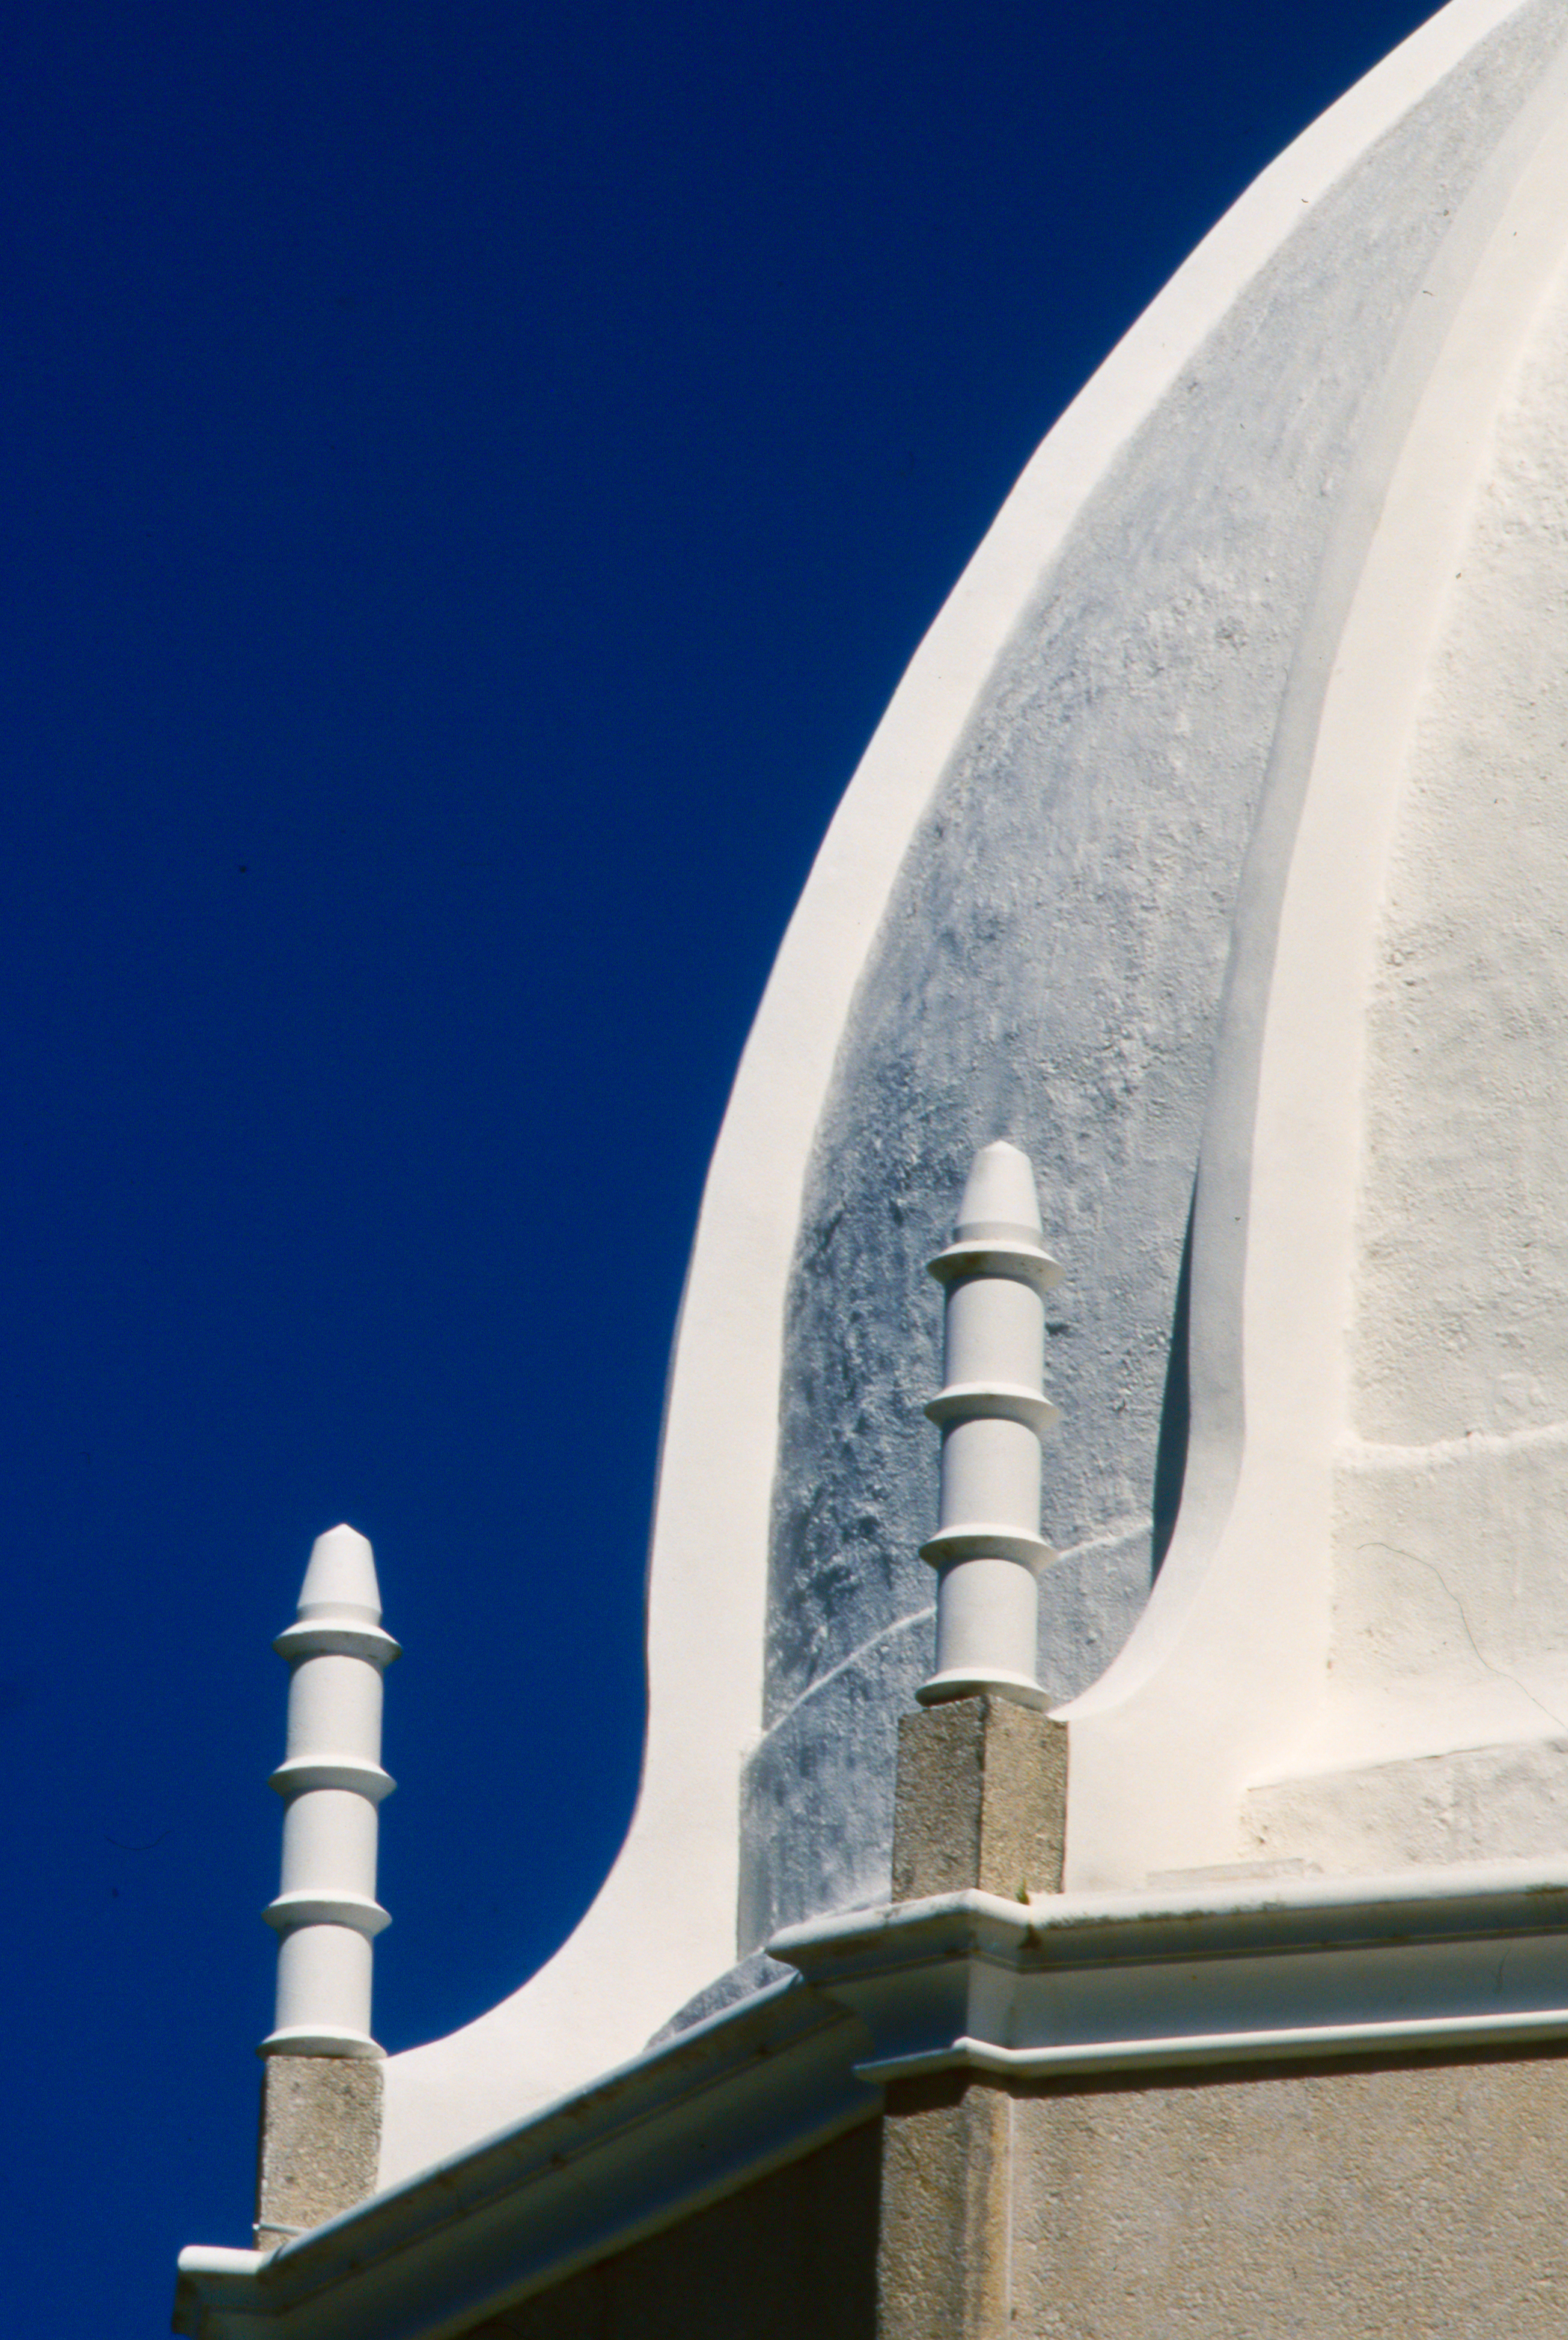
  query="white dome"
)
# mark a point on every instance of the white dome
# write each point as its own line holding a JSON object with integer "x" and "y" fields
{"x": 1220, "y": 691}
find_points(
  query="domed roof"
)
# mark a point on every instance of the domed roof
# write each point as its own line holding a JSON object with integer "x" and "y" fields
{"x": 1173, "y": 846}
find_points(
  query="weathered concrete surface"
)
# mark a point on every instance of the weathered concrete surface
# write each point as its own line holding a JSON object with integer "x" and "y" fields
{"x": 1477, "y": 1803}
{"x": 1428, "y": 2201}
{"x": 742, "y": 1980}
{"x": 982, "y": 1801}
{"x": 1050, "y": 968}
{"x": 320, "y": 2138}
{"x": 943, "y": 2251}
{"x": 822, "y": 1776}
{"x": 793, "y": 2255}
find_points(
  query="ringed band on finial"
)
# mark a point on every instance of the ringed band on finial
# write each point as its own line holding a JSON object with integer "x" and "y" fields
{"x": 992, "y": 1413}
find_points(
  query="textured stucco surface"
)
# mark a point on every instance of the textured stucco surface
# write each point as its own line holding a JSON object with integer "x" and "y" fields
{"x": 1451, "y": 1596}
{"x": 943, "y": 2258}
{"x": 982, "y": 1801}
{"x": 1467, "y": 1104}
{"x": 1049, "y": 970}
{"x": 1428, "y": 2201}
{"x": 320, "y": 2134}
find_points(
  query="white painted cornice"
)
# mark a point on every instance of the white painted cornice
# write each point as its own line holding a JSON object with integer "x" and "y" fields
{"x": 1455, "y": 1959}
{"x": 1238, "y": 1974}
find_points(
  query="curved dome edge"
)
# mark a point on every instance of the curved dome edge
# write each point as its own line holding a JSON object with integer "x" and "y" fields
{"x": 663, "y": 1925}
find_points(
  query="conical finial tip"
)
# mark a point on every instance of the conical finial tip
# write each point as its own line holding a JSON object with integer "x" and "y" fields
{"x": 1000, "y": 1189}
{"x": 342, "y": 1575}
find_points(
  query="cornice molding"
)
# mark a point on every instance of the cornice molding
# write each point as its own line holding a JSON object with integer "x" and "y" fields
{"x": 1456, "y": 1957}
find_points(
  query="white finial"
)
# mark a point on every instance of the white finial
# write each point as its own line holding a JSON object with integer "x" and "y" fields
{"x": 999, "y": 1195}
{"x": 342, "y": 1575}
{"x": 326, "y": 1913}
{"x": 987, "y": 1550}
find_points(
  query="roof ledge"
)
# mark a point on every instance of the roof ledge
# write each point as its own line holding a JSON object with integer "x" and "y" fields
{"x": 726, "y": 2102}
{"x": 1464, "y": 1957}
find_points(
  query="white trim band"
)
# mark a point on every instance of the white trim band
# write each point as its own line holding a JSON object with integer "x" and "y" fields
{"x": 1355, "y": 1965}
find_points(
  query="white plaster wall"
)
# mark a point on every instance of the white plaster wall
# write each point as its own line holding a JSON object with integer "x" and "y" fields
{"x": 1350, "y": 1188}
{"x": 1449, "y": 1663}
{"x": 1461, "y": 1302}
{"x": 1113, "y": 590}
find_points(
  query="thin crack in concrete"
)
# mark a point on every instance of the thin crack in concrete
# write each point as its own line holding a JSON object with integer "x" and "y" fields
{"x": 1485, "y": 1662}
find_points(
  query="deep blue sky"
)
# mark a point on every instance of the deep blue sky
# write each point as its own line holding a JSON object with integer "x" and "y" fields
{"x": 475, "y": 476}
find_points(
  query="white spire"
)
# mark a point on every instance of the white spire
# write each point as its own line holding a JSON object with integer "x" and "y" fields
{"x": 326, "y": 1913}
{"x": 342, "y": 1576}
{"x": 999, "y": 1195}
{"x": 987, "y": 1550}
